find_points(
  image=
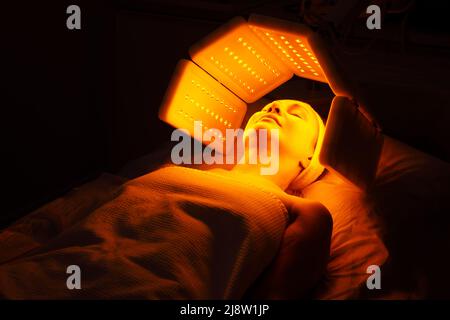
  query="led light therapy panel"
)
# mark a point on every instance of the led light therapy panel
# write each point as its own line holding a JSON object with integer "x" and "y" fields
{"x": 246, "y": 60}
{"x": 290, "y": 42}
{"x": 239, "y": 59}
{"x": 352, "y": 144}
{"x": 194, "y": 95}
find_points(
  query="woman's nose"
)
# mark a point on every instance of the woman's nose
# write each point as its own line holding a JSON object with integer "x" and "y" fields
{"x": 274, "y": 108}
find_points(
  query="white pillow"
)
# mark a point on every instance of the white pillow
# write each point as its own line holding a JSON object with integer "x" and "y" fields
{"x": 401, "y": 224}
{"x": 355, "y": 241}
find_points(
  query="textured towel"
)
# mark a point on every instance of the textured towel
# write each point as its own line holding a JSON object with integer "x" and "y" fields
{"x": 314, "y": 169}
{"x": 173, "y": 233}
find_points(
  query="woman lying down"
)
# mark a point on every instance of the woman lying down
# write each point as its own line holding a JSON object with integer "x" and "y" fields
{"x": 179, "y": 233}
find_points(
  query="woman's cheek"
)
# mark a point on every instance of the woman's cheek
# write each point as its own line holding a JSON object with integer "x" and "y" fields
{"x": 251, "y": 122}
{"x": 283, "y": 140}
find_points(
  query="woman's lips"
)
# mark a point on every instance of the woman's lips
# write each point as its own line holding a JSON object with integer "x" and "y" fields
{"x": 270, "y": 117}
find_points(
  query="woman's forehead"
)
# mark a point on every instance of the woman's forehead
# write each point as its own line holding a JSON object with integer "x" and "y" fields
{"x": 292, "y": 103}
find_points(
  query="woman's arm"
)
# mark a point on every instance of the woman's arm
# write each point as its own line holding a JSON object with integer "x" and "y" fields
{"x": 303, "y": 255}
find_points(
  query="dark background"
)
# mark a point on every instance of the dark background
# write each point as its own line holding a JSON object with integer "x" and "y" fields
{"x": 76, "y": 103}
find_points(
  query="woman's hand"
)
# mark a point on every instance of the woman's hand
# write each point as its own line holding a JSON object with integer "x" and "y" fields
{"x": 303, "y": 255}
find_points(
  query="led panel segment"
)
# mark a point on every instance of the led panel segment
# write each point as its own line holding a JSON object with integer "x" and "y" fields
{"x": 290, "y": 42}
{"x": 240, "y": 60}
{"x": 193, "y": 95}
{"x": 352, "y": 144}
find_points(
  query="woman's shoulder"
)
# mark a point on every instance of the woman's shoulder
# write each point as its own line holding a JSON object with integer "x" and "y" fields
{"x": 306, "y": 207}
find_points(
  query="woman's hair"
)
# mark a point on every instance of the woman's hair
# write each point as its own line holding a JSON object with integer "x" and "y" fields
{"x": 314, "y": 169}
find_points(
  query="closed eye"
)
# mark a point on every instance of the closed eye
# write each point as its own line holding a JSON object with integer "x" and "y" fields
{"x": 298, "y": 116}
{"x": 298, "y": 111}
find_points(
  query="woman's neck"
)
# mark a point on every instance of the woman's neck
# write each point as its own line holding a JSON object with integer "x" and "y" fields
{"x": 280, "y": 179}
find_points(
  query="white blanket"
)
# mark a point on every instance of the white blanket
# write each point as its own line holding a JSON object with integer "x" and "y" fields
{"x": 173, "y": 233}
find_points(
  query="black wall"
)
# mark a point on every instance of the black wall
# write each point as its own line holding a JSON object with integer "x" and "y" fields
{"x": 52, "y": 129}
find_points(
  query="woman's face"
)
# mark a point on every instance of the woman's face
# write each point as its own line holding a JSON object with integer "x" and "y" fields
{"x": 296, "y": 123}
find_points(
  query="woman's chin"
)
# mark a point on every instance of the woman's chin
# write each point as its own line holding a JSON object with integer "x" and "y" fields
{"x": 265, "y": 125}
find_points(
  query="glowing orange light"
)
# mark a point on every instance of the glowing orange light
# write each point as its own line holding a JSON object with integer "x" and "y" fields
{"x": 194, "y": 95}
{"x": 239, "y": 59}
{"x": 251, "y": 59}
{"x": 290, "y": 41}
